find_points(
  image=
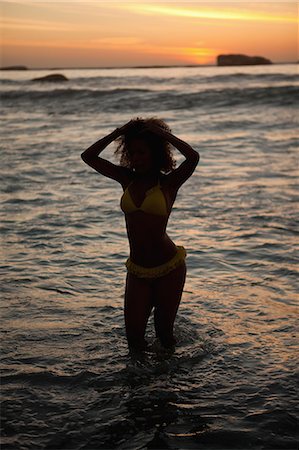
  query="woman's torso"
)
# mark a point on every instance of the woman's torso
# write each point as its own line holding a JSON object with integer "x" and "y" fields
{"x": 147, "y": 205}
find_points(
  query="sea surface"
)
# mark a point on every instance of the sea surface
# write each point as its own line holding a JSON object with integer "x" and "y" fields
{"x": 68, "y": 381}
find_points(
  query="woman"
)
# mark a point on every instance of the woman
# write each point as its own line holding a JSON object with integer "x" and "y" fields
{"x": 156, "y": 268}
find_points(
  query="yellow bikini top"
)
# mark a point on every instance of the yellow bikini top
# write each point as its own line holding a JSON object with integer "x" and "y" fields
{"x": 153, "y": 203}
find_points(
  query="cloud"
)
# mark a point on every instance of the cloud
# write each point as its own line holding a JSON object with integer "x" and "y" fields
{"x": 40, "y": 25}
{"x": 209, "y": 13}
{"x": 116, "y": 42}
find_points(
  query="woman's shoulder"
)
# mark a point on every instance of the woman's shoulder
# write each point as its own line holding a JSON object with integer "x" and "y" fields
{"x": 166, "y": 185}
{"x": 165, "y": 178}
{"x": 162, "y": 178}
{"x": 128, "y": 177}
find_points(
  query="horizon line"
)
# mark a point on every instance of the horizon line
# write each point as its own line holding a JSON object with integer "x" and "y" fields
{"x": 154, "y": 66}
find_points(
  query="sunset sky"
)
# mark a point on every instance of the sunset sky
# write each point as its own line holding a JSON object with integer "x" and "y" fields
{"x": 139, "y": 33}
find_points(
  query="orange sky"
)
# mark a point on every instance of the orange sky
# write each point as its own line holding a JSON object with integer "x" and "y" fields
{"x": 81, "y": 33}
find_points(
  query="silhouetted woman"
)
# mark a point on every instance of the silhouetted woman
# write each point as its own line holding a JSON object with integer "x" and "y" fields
{"x": 156, "y": 267}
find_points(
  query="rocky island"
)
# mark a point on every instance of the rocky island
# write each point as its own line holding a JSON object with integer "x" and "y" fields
{"x": 54, "y": 77}
{"x": 14, "y": 68}
{"x": 241, "y": 60}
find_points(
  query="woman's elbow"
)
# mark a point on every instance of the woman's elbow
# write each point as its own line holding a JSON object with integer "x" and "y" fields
{"x": 84, "y": 157}
{"x": 195, "y": 157}
{"x": 193, "y": 154}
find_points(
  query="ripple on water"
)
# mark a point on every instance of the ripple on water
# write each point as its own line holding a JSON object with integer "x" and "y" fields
{"x": 68, "y": 381}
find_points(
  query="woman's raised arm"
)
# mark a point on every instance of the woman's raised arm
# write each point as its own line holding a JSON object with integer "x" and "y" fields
{"x": 178, "y": 176}
{"x": 91, "y": 157}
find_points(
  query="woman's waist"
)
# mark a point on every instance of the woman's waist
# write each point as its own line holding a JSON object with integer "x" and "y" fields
{"x": 153, "y": 252}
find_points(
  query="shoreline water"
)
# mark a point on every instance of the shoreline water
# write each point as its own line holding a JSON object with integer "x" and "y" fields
{"x": 68, "y": 381}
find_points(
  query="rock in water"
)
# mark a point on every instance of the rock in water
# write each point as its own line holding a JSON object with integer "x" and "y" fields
{"x": 55, "y": 77}
{"x": 241, "y": 60}
{"x": 14, "y": 68}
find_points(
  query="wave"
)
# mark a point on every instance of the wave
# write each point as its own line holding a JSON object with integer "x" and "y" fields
{"x": 198, "y": 78}
{"x": 240, "y": 76}
{"x": 276, "y": 96}
{"x": 127, "y": 98}
{"x": 35, "y": 94}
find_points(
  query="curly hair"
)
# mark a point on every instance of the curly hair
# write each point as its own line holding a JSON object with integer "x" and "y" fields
{"x": 160, "y": 148}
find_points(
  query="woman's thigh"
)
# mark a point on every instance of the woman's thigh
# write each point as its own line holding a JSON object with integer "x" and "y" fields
{"x": 138, "y": 305}
{"x": 168, "y": 292}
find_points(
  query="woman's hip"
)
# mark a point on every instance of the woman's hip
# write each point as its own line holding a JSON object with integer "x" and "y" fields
{"x": 160, "y": 270}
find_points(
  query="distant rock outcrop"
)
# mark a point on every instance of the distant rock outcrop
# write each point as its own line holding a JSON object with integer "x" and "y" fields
{"x": 54, "y": 77}
{"x": 241, "y": 60}
{"x": 14, "y": 68}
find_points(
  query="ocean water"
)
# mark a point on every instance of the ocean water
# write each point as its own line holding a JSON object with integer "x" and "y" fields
{"x": 68, "y": 381}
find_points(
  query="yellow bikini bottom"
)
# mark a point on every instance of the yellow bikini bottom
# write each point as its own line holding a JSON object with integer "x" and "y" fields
{"x": 158, "y": 271}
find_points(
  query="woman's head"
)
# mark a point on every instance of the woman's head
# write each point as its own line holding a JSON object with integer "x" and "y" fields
{"x": 142, "y": 150}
